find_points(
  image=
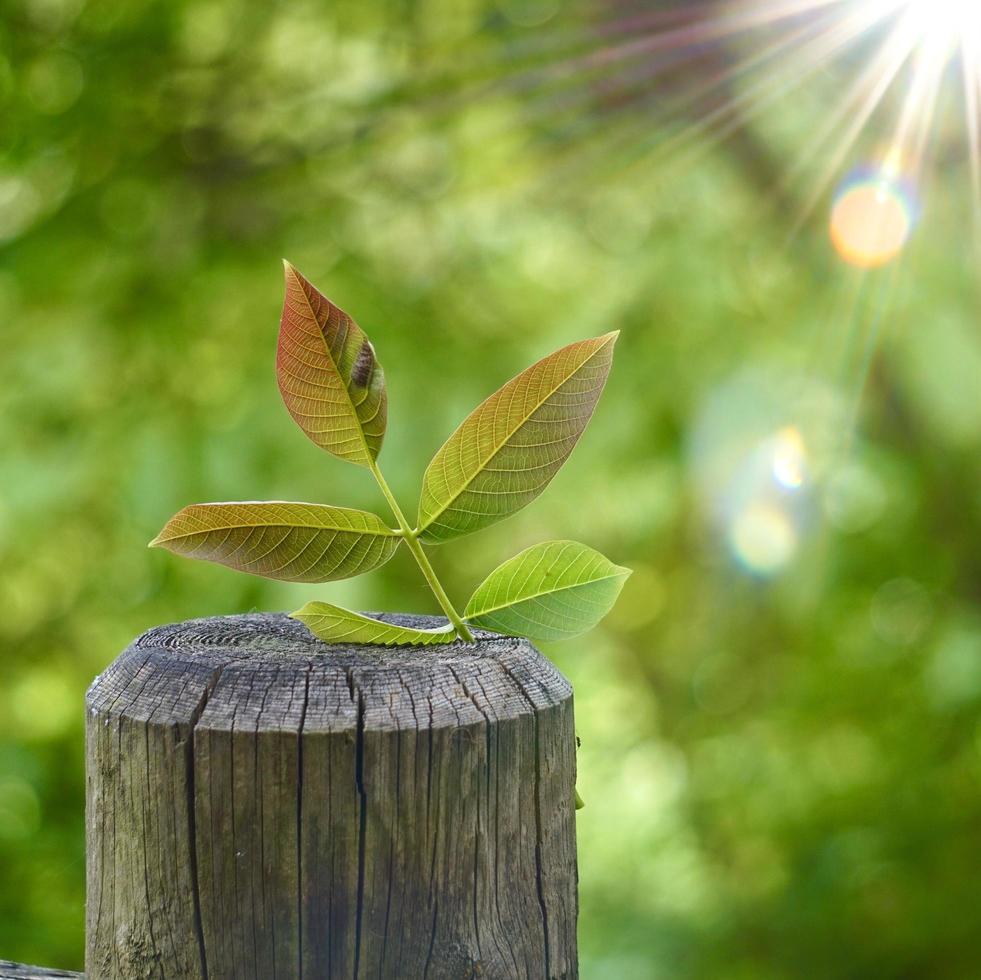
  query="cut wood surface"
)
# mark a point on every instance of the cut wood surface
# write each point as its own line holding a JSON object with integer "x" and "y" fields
{"x": 263, "y": 805}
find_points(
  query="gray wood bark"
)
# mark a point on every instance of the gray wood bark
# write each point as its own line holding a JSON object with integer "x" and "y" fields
{"x": 262, "y": 805}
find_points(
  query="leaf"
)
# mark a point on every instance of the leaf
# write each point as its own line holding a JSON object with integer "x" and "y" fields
{"x": 277, "y": 539}
{"x": 550, "y": 591}
{"x": 508, "y": 449}
{"x": 328, "y": 374}
{"x": 335, "y": 624}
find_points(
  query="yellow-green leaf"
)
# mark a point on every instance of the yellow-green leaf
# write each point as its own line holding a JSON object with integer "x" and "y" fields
{"x": 508, "y": 449}
{"x": 550, "y": 591}
{"x": 337, "y": 625}
{"x": 328, "y": 374}
{"x": 282, "y": 540}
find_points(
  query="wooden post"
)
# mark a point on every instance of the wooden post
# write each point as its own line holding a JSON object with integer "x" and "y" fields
{"x": 263, "y": 805}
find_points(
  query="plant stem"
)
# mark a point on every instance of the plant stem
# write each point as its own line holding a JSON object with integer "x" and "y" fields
{"x": 412, "y": 541}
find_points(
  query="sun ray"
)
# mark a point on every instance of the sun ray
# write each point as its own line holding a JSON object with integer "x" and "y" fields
{"x": 971, "y": 77}
{"x": 855, "y": 112}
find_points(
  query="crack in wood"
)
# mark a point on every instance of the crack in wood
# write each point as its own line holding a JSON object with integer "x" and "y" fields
{"x": 299, "y": 823}
{"x": 362, "y": 825}
{"x": 209, "y": 688}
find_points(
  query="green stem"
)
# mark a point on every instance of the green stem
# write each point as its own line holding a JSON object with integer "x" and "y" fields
{"x": 412, "y": 541}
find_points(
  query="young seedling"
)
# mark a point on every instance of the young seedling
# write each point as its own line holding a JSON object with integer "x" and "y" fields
{"x": 501, "y": 458}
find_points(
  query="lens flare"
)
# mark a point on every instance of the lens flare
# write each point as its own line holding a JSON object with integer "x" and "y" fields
{"x": 872, "y": 218}
{"x": 764, "y": 516}
{"x": 757, "y": 451}
{"x": 763, "y": 538}
{"x": 789, "y": 458}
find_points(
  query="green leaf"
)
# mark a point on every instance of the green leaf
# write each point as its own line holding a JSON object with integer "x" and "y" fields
{"x": 328, "y": 374}
{"x": 277, "y": 539}
{"x": 508, "y": 449}
{"x": 550, "y": 591}
{"x": 339, "y": 625}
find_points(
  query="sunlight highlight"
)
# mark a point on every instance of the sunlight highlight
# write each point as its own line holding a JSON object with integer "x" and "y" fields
{"x": 763, "y": 538}
{"x": 789, "y": 458}
{"x": 952, "y": 19}
{"x": 872, "y": 218}
{"x": 757, "y": 453}
{"x": 874, "y": 212}
{"x": 764, "y": 520}
{"x": 901, "y": 50}
{"x": 706, "y": 70}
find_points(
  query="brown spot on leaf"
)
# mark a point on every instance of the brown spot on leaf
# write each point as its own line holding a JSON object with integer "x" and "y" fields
{"x": 364, "y": 363}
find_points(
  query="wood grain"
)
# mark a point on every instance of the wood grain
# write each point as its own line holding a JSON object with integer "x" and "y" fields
{"x": 262, "y": 805}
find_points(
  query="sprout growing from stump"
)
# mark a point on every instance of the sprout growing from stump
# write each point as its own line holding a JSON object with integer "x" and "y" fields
{"x": 501, "y": 457}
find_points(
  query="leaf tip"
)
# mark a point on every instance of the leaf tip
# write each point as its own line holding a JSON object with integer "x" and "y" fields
{"x": 290, "y": 271}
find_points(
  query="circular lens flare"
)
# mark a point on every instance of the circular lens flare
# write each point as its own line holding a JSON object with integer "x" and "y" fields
{"x": 872, "y": 218}
{"x": 763, "y": 538}
{"x": 756, "y": 452}
{"x": 763, "y": 517}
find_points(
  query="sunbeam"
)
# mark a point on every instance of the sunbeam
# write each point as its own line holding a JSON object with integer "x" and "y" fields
{"x": 915, "y": 41}
{"x": 668, "y": 85}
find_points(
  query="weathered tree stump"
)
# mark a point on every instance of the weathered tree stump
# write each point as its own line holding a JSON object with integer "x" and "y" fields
{"x": 263, "y": 805}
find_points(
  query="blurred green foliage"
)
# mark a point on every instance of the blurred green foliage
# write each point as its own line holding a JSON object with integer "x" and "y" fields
{"x": 781, "y": 722}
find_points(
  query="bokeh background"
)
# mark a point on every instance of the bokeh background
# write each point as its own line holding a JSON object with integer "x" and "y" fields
{"x": 781, "y": 721}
